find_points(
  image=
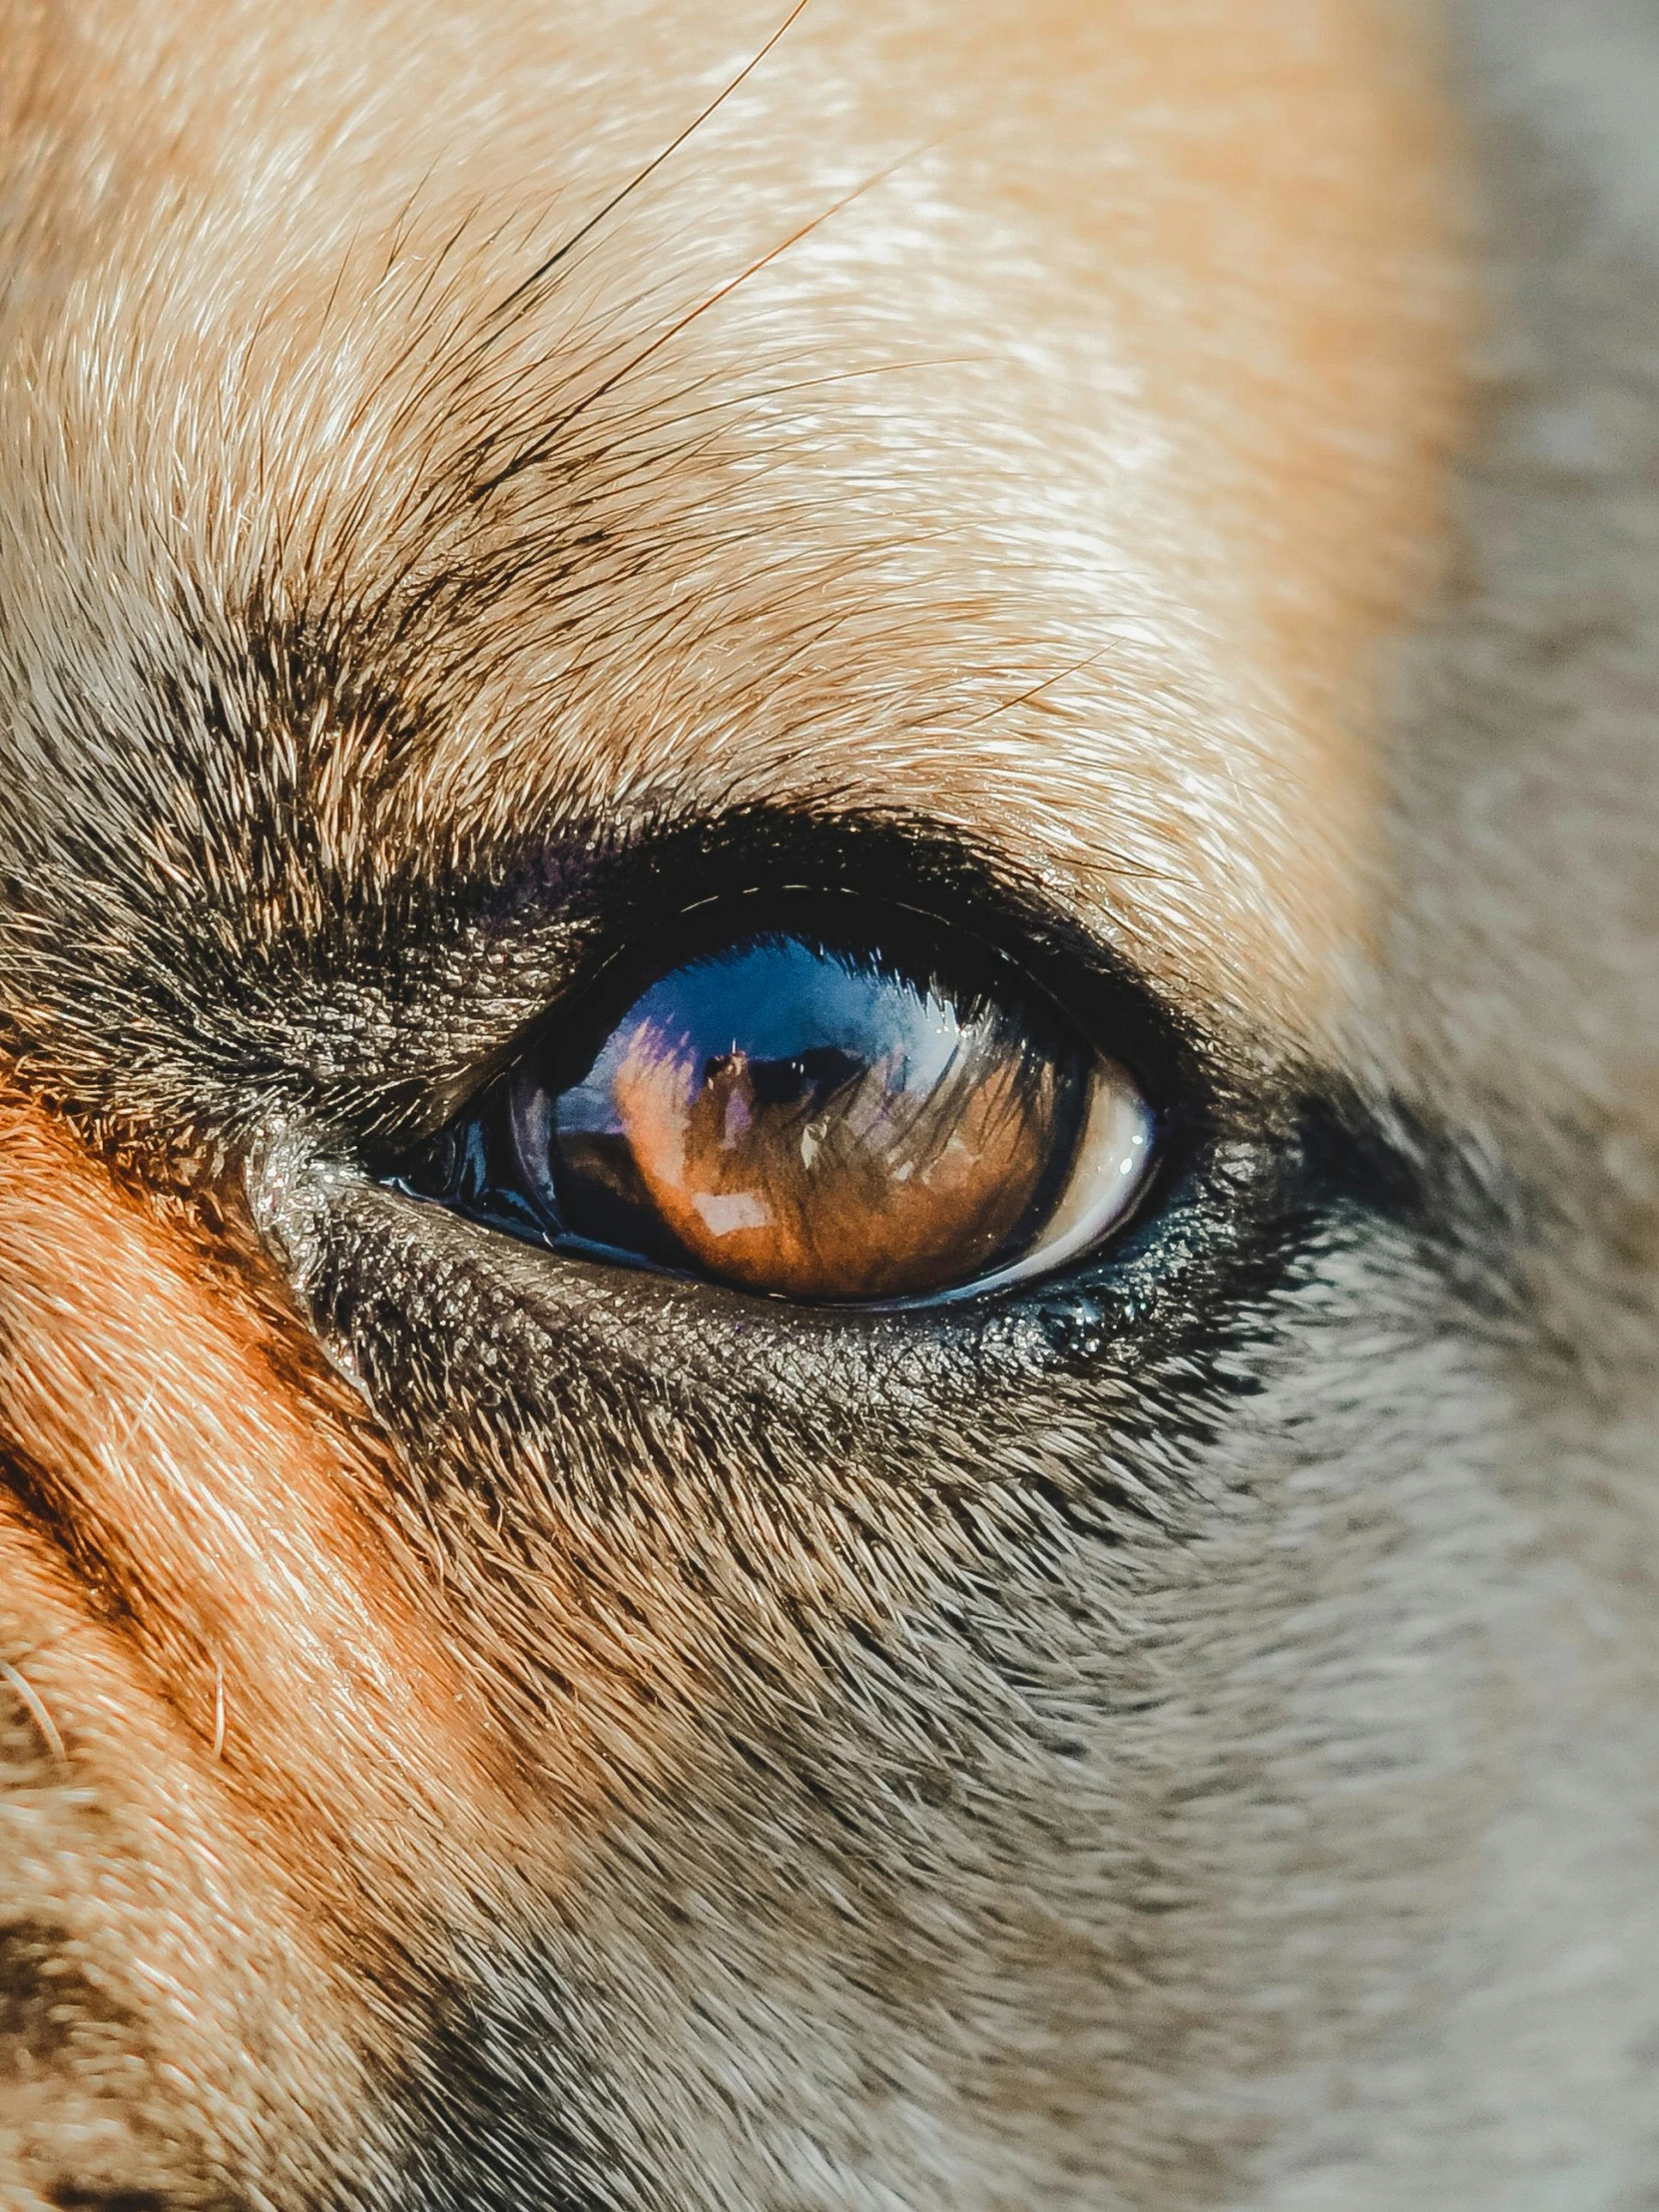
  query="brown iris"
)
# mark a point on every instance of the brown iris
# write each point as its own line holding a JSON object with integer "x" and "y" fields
{"x": 807, "y": 1121}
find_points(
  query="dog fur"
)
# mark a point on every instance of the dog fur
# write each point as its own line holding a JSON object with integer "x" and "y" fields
{"x": 490, "y": 1731}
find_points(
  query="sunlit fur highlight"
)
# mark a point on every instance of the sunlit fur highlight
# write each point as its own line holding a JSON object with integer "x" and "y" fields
{"x": 486, "y": 1733}
{"x": 1189, "y": 304}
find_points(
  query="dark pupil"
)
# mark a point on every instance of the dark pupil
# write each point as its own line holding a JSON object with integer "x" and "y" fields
{"x": 807, "y": 1121}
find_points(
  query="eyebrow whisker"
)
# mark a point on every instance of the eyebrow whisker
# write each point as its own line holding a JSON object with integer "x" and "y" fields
{"x": 1024, "y": 697}
{"x": 532, "y": 455}
{"x": 506, "y": 306}
{"x": 38, "y": 1711}
{"x": 452, "y": 366}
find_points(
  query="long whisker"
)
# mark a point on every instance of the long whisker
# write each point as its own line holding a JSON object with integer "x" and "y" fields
{"x": 539, "y": 276}
{"x": 760, "y": 393}
{"x": 544, "y": 445}
{"x": 1024, "y": 697}
{"x": 35, "y": 1703}
{"x": 450, "y": 365}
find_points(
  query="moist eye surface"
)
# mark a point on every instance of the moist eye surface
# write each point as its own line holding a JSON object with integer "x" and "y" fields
{"x": 808, "y": 1119}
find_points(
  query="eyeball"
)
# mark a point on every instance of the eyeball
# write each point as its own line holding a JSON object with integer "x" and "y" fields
{"x": 805, "y": 1119}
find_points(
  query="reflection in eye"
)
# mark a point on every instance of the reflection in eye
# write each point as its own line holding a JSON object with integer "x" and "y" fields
{"x": 812, "y": 1122}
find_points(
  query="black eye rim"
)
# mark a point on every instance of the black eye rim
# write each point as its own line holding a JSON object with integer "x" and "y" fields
{"x": 642, "y": 907}
{"x": 475, "y": 1162}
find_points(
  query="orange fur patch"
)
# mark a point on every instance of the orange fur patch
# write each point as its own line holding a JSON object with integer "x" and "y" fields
{"x": 203, "y": 1612}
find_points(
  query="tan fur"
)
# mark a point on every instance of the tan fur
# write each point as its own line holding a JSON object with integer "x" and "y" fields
{"x": 1198, "y": 335}
{"x": 1179, "y": 283}
{"x": 1036, "y": 421}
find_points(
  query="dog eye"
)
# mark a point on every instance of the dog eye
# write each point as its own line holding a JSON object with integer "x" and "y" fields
{"x": 813, "y": 1121}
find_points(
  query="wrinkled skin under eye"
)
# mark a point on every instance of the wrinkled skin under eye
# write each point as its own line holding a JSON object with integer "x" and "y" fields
{"x": 806, "y": 1121}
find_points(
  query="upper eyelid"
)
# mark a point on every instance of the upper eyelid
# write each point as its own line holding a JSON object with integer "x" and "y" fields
{"x": 489, "y": 1178}
{"x": 570, "y": 909}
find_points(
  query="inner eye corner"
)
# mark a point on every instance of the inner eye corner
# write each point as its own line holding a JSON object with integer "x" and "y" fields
{"x": 807, "y": 1112}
